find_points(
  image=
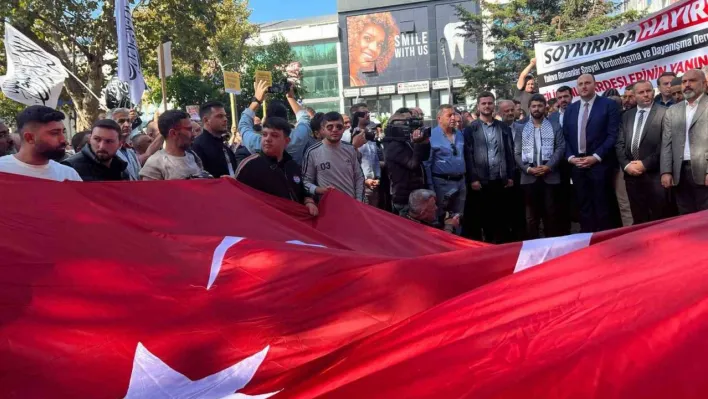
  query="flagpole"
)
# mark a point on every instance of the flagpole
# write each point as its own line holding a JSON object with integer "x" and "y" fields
{"x": 162, "y": 75}
{"x": 86, "y": 87}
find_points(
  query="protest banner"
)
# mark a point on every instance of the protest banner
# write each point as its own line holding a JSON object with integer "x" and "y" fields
{"x": 674, "y": 39}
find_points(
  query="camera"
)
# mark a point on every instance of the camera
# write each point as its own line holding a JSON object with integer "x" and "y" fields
{"x": 401, "y": 129}
{"x": 280, "y": 88}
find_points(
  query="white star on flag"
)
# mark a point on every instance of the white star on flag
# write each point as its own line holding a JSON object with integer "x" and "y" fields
{"x": 151, "y": 378}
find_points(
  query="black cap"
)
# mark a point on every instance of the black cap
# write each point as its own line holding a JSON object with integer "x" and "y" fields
{"x": 38, "y": 114}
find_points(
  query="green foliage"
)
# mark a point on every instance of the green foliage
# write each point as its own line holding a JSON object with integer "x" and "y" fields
{"x": 83, "y": 36}
{"x": 512, "y": 28}
{"x": 272, "y": 57}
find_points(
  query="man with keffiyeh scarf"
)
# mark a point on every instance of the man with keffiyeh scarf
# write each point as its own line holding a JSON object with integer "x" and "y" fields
{"x": 538, "y": 149}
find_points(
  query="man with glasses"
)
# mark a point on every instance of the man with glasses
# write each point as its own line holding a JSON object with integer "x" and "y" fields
{"x": 333, "y": 164}
{"x": 445, "y": 168}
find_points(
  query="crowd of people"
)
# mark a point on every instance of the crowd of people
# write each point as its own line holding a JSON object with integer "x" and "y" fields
{"x": 513, "y": 169}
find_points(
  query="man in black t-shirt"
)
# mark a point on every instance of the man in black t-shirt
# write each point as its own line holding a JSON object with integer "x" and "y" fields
{"x": 526, "y": 86}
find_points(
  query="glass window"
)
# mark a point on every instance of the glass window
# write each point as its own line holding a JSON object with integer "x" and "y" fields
{"x": 327, "y": 106}
{"x": 321, "y": 83}
{"x": 376, "y": 105}
{"x": 316, "y": 54}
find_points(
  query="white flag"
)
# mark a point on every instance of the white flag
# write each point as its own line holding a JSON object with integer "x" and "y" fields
{"x": 167, "y": 51}
{"x": 129, "y": 70}
{"x": 34, "y": 77}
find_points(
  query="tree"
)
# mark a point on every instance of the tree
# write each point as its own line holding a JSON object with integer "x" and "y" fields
{"x": 273, "y": 57}
{"x": 512, "y": 28}
{"x": 82, "y": 34}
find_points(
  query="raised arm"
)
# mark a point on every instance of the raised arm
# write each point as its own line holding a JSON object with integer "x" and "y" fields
{"x": 521, "y": 83}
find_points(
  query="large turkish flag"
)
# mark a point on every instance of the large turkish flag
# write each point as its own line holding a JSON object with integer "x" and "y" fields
{"x": 204, "y": 288}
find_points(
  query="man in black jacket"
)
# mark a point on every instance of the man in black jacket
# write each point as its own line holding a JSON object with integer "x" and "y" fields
{"x": 217, "y": 157}
{"x": 404, "y": 162}
{"x": 489, "y": 158}
{"x": 97, "y": 160}
{"x": 272, "y": 170}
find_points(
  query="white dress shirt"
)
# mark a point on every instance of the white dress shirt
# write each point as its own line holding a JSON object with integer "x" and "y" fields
{"x": 580, "y": 123}
{"x": 561, "y": 113}
{"x": 690, "y": 112}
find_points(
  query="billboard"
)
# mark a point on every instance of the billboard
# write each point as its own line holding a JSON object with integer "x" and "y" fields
{"x": 457, "y": 49}
{"x": 391, "y": 46}
{"x": 674, "y": 39}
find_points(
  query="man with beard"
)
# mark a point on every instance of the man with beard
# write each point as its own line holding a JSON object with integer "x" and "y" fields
{"x": 538, "y": 149}
{"x": 333, "y": 164}
{"x": 43, "y": 144}
{"x": 590, "y": 148}
{"x": 676, "y": 91}
{"x": 97, "y": 161}
{"x": 489, "y": 159}
{"x": 629, "y": 99}
{"x": 176, "y": 161}
{"x": 218, "y": 158}
{"x": 685, "y": 145}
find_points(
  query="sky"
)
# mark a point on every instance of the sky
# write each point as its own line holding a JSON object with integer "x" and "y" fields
{"x": 276, "y": 10}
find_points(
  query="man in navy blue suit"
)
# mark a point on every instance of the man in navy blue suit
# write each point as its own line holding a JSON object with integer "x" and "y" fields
{"x": 590, "y": 127}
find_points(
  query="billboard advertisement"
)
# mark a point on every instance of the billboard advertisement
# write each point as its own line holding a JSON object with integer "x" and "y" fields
{"x": 457, "y": 49}
{"x": 674, "y": 39}
{"x": 391, "y": 46}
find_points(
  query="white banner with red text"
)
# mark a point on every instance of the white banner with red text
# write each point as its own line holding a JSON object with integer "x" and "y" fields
{"x": 674, "y": 39}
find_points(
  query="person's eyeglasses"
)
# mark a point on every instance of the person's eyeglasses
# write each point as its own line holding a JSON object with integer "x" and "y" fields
{"x": 454, "y": 149}
{"x": 338, "y": 126}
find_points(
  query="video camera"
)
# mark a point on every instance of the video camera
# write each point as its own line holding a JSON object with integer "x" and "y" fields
{"x": 401, "y": 129}
{"x": 280, "y": 88}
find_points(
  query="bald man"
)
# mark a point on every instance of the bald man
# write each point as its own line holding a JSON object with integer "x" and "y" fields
{"x": 506, "y": 110}
{"x": 590, "y": 128}
{"x": 685, "y": 145}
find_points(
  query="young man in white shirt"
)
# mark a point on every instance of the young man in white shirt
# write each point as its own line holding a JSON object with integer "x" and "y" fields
{"x": 43, "y": 145}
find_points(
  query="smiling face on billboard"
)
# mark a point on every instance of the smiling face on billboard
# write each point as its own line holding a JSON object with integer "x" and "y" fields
{"x": 371, "y": 44}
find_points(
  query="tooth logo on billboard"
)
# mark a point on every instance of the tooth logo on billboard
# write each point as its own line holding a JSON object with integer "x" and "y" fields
{"x": 455, "y": 41}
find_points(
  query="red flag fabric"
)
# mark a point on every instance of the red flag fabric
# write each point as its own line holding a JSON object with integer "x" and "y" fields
{"x": 207, "y": 288}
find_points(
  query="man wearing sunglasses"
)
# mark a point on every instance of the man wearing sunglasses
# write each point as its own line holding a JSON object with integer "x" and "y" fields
{"x": 445, "y": 168}
{"x": 332, "y": 164}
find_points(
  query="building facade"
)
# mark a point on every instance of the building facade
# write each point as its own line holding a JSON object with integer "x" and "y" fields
{"x": 385, "y": 53}
{"x": 315, "y": 42}
{"x": 402, "y": 53}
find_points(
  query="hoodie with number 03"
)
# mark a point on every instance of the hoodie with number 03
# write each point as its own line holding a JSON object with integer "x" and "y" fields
{"x": 280, "y": 178}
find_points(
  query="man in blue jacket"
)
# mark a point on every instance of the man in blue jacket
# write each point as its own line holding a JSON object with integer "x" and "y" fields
{"x": 590, "y": 128}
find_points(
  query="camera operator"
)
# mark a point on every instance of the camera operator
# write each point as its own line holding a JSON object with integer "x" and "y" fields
{"x": 300, "y": 134}
{"x": 359, "y": 133}
{"x": 405, "y": 149}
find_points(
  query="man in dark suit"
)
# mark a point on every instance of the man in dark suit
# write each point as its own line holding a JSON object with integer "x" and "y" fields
{"x": 566, "y": 207}
{"x": 638, "y": 152}
{"x": 684, "y": 163}
{"x": 590, "y": 128}
{"x": 539, "y": 147}
{"x": 489, "y": 160}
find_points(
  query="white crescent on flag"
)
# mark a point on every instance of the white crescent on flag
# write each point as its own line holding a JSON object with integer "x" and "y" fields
{"x": 34, "y": 77}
